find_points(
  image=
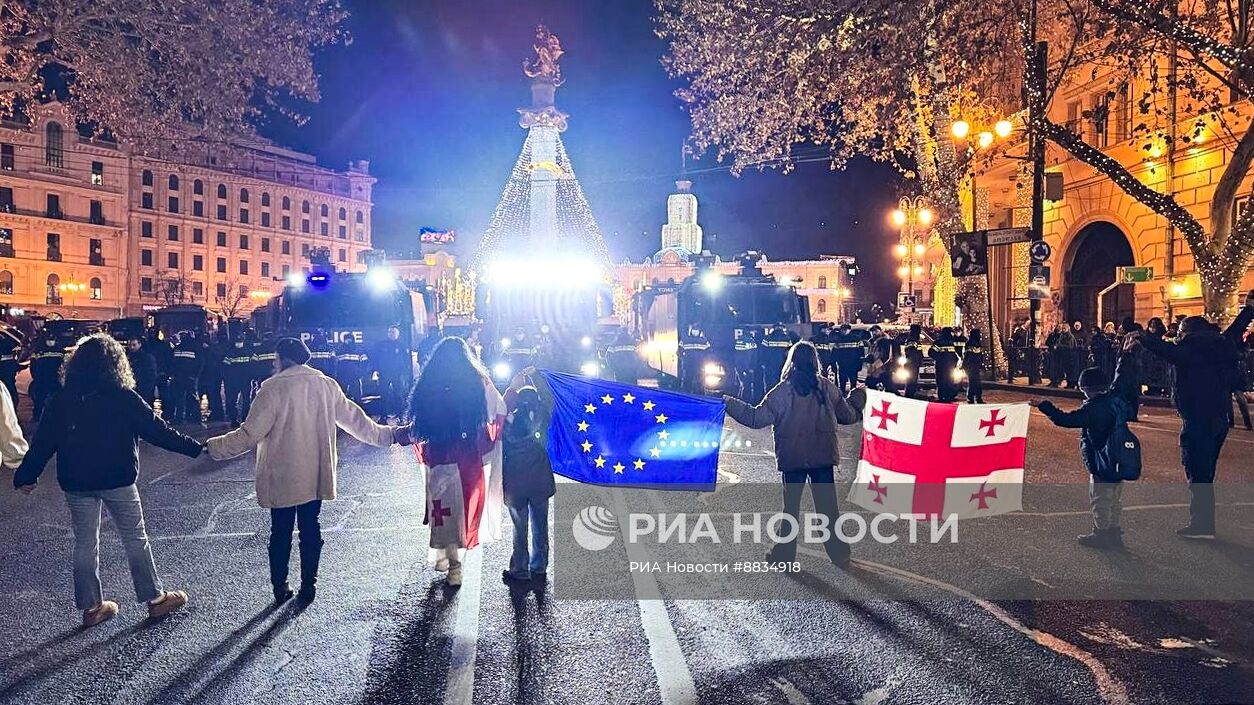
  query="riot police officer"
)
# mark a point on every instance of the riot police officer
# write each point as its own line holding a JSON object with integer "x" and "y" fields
{"x": 520, "y": 353}
{"x": 694, "y": 351}
{"x": 392, "y": 361}
{"x": 745, "y": 356}
{"x": 10, "y": 365}
{"x": 263, "y": 361}
{"x": 45, "y": 370}
{"x": 144, "y": 369}
{"x": 847, "y": 350}
{"x": 879, "y": 360}
{"x": 773, "y": 353}
{"x": 826, "y": 347}
{"x": 621, "y": 358}
{"x": 184, "y": 403}
{"x": 946, "y": 356}
{"x": 163, "y": 354}
{"x": 321, "y": 356}
{"x": 237, "y": 379}
{"x": 912, "y": 350}
{"x": 210, "y": 381}
{"x": 350, "y": 367}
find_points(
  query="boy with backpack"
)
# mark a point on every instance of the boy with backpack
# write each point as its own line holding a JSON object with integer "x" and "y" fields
{"x": 1110, "y": 451}
{"x": 527, "y": 478}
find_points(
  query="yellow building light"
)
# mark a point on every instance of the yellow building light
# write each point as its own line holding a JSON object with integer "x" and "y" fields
{"x": 1003, "y": 128}
{"x": 984, "y": 140}
{"x": 960, "y": 129}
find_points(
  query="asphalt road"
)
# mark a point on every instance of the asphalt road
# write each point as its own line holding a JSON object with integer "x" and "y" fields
{"x": 385, "y": 629}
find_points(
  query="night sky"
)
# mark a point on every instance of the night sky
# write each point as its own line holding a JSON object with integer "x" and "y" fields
{"x": 429, "y": 91}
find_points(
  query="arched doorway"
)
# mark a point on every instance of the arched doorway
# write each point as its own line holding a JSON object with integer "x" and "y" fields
{"x": 1095, "y": 253}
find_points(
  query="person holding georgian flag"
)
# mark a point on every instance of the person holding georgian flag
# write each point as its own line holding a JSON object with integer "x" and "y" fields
{"x": 456, "y": 416}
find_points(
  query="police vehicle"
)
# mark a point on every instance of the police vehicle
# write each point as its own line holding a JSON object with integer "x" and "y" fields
{"x": 725, "y": 308}
{"x": 927, "y": 371}
{"x": 542, "y": 312}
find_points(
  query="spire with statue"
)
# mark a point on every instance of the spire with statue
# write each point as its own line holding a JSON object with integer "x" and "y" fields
{"x": 542, "y": 209}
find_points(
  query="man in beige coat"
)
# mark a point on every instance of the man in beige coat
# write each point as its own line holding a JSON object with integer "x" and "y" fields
{"x": 292, "y": 424}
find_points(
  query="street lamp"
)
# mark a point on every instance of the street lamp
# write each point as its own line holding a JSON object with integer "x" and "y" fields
{"x": 72, "y": 288}
{"x": 915, "y": 219}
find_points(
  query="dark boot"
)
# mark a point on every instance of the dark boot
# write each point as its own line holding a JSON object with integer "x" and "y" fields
{"x": 310, "y": 555}
{"x": 1201, "y": 512}
{"x": 1103, "y": 538}
{"x": 280, "y": 554}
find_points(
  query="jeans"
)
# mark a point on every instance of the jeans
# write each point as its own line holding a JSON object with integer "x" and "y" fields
{"x": 823, "y": 491}
{"x": 128, "y": 519}
{"x": 1200, "y": 444}
{"x": 282, "y": 521}
{"x": 1104, "y": 498}
{"x": 522, "y": 563}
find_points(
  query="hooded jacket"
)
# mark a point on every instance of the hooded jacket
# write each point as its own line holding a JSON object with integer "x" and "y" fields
{"x": 1205, "y": 362}
{"x": 804, "y": 426}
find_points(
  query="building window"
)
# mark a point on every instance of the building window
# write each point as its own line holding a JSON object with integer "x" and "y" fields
{"x": 198, "y": 209}
{"x": 145, "y": 201}
{"x": 198, "y": 263}
{"x": 54, "y": 145}
{"x": 54, "y": 206}
{"x": 243, "y": 266}
{"x": 220, "y": 290}
{"x": 146, "y": 178}
{"x": 198, "y": 236}
{"x": 54, "y": 247}
{"x": 198, "y": 288}
{"x": 265, "y": 219}
{"x": 361, "y": 218}
{"x": 6, "y": 242}
{"x": 96, "y": 213}
{"x": 6, "y": 282}
{"x": 287, "y": 203}
{"x": 324, "y": 211}
{"x": 822, "y": 306}
{"x": 145, "y": 258}
{"x": 95, "y": 252}
{"x": 243, "y": 195}
{"x": 53, "y": 295}
{"x": 286, "y": 270}
{"x": 323, "y": 229}
{"x": 221, "y": 211}
{"x": 243, "y": 215}
{"x": 286, "y": 247}
{"x": 172, "y": 260}
{"x": 172, "y": 233}
{"x": 343, "y": 255}
{"x": 287, "y": 222}
{"x": 172, "y": 204}
{"x": 6, "y": 199}
{"x": 265, "y": 244}
{"x": 265, "y": 199}
{"x": 304, "y": 207}
{"x": 97, "y": 173}
{"x": 304, "y": 249}
{"x": 265, "y": 269}
{"x": 145, "y": 228}
{"x": 173, "y": 181}
{"x": 822, "y": 282}
{"x": 343, "y": 214}
{"x": 221, "y": 265}
{"x": 6, "y": 157}
{"x": 222, "y": 191}
{"x": 243, "y": 242}
{"x": 221, "y": 239}
{"x": 145, "y": 285}
{"x": 198, "y": 187}
{"x": 343, "y": 232}
{"x": 304, "y": 226}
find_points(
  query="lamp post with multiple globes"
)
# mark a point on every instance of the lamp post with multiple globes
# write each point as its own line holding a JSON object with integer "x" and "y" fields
{"x": 914, "y": 218}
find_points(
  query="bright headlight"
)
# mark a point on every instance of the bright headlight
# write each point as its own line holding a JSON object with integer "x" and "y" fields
{"x": 902, "y": 360}
{"x": 712, "y": 381}
{"x": 901, "y": 374}
{"x": 505, "y": 343}
{"x": 586, "y": 341}
{"x": 590, "y": 368}
{"x": 959, "y": 374}
{"x": 502, "y": 371}
{"x": 713, "y": 369}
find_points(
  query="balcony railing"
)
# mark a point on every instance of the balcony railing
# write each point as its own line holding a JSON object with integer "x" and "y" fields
{"x": 54, "y": 255}
{"x": 53, "y": 299}
{"x": 97, "y": 260}
{"x": 7, "y": 251}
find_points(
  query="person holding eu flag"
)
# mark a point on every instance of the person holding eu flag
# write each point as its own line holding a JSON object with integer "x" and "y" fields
{"x": 803, "y": 411}
{"x": 527, "y": 477}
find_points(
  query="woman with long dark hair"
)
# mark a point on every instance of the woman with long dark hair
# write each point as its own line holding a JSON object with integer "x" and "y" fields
{"x": 93, "y": 426}
{"x": 803, "y": 411}
{"x": 455, "y": 416}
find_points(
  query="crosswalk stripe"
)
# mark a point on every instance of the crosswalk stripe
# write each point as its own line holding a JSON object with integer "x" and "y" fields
{"x": 460, "y": 689}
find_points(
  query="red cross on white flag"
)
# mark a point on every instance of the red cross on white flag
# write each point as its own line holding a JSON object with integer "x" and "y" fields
{"x": 928, "y": 458}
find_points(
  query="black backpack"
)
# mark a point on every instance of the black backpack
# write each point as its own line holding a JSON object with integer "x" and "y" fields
{"x": 1123, "y": 448}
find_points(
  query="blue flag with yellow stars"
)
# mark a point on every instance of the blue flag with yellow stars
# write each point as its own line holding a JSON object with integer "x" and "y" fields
{"x": 616, "y": 434}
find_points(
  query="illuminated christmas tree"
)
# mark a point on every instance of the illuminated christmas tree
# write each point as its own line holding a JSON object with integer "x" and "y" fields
{"x": 542, "y": 211}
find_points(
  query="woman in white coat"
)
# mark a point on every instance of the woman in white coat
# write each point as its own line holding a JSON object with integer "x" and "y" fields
{"x": 292, "y": 424}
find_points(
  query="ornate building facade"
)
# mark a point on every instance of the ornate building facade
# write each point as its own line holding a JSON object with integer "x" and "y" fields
{"x": 93, "y": 229}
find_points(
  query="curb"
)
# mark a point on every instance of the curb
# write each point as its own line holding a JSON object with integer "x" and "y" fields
{"x": 1048, "y": 391}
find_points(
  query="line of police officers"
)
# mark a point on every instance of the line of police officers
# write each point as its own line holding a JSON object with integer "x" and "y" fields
{"x": 189, "y": 366}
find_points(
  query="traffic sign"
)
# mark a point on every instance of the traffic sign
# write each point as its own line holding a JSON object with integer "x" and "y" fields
{"x": 1008, "y": 236}
{"x": 1038, "y": 282}
{"x": 906, "y": 301}
{"x": 1132, "y": 275}
{"x": 1040, "y": 251}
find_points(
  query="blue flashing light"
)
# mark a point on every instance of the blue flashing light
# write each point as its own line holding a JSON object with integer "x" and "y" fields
{"x": 319, "y": 280}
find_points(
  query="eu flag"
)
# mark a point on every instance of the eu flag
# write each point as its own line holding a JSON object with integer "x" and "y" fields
{"x": 617, "y": 434}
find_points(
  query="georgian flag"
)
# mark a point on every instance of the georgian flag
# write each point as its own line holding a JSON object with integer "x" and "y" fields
{"x": 935, "y": 459}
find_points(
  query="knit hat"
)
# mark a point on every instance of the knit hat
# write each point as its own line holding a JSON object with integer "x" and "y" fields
{"x": 1094, "y": 378}
{"x": 292, "y": 350}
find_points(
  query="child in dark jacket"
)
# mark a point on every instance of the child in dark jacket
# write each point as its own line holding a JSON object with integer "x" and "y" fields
{"x": 527, "y": 478}
{"x": 1105, "y": 407}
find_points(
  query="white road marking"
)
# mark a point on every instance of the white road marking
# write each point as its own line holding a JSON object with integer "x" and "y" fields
{"x": 460, "y": 689}
{"x": 674, "y": 679}
{"x": 1110, "y": 688}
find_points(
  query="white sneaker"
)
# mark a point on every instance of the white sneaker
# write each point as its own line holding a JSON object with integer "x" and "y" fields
{"x": 455, "y": 576}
